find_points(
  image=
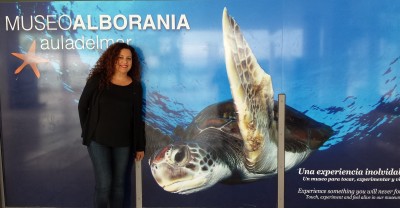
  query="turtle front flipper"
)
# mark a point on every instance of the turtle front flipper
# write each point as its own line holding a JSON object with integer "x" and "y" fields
{"x": 155, "y": 140}
{"x": 252, "y": 92}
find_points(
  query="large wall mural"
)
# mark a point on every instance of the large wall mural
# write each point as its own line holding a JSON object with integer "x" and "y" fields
{"x": 212, "y": 72}
{"x": 236, "y": 141}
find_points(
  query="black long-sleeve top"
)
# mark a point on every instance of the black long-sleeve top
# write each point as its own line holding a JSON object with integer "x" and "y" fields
{"x": 112, "y": 116}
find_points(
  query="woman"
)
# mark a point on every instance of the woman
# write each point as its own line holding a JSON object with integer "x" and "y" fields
{"x": 110, "y": 113}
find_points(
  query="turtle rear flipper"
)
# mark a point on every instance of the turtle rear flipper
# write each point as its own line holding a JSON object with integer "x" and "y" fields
{"x": 302, "y": 133}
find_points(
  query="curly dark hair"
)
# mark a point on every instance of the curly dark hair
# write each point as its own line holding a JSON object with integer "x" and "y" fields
{"x": 104, "y": 66}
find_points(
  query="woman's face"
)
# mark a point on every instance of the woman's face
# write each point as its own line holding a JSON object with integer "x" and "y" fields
{"x": 124, "y": 61}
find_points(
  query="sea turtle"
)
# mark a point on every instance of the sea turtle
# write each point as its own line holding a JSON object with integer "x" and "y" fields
{"x": 236, "y": 141}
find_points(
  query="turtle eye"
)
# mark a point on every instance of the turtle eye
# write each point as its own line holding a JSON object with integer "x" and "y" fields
{"x": 180, "y": 155}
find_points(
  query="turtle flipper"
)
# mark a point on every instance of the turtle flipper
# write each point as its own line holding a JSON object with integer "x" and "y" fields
{"x": 302, "y": 133}
{"x": 155, "y": 140}
{"x": 251, "y": 89}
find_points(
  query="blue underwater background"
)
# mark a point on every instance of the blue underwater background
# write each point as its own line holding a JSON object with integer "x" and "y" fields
{"x": 336, "y": 61}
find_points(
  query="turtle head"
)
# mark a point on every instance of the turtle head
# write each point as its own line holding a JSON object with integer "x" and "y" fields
{"x": 187, "y": 167}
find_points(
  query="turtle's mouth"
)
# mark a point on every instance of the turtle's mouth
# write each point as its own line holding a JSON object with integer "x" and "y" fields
{"x": 186, "y": 186}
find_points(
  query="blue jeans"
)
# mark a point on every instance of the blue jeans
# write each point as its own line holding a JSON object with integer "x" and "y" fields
{"x": 110, "y": 167}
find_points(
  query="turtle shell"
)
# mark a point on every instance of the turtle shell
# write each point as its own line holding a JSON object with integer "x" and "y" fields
{"x": 220, "y": 116}
{"x": 301, "y": 131}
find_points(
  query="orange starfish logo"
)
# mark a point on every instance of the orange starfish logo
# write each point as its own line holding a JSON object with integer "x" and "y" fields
{"x": 31, "y": 59}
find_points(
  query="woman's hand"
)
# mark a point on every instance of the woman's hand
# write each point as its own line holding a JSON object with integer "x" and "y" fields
{"x": 139, "y": 155}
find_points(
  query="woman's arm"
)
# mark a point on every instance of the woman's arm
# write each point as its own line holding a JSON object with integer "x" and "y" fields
{"x": 138, "y": 127}
{"x": 86, "y": 98}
